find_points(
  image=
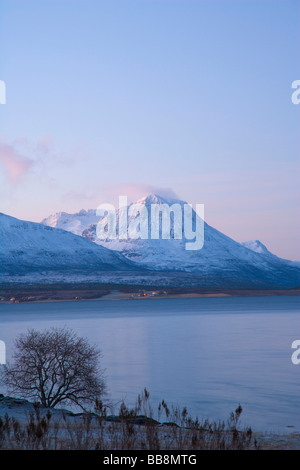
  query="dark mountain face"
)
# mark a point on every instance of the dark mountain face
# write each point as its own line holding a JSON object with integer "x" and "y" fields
{"x": 27, "y": 246}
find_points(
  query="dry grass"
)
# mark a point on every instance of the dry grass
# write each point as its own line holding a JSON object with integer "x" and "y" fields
{"x": 129, "y": 429}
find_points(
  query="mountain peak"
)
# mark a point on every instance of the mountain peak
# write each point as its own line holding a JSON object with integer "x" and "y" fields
{"x": 75, "y": 223}
{"x": 154, "y": 198}
{"x": 257, "y": 246}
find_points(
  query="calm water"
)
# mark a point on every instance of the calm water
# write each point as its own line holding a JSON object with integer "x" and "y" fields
{"x": 208, "y": 354}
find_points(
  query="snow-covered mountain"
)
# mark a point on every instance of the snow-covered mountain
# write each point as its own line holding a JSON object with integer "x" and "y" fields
{"x": 220, "y": 258}
{"x": 258, "y": 247}
{"x": 28, "y": 246}
{"x": 75, "y": 223}
{"x": 221, "y": 261}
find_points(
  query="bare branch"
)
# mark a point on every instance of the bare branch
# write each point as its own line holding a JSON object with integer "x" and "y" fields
{"x": 55, "y": 366}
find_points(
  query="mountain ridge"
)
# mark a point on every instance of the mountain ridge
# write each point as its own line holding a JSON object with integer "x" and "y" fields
{"x": 221, "y": 257}
{"x": 30, "y": 246}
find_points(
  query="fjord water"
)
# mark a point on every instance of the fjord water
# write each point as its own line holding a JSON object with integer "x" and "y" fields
{"x": 208, "y": 354}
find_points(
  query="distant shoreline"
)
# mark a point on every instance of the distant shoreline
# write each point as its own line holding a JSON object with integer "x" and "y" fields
{"x": 34, "y": 294}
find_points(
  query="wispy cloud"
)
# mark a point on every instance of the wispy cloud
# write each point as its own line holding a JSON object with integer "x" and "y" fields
{"x": 91, "y": 196}
{"x": 135, "y": 191}
{"x": 20, "y": 156}
{"x": 15, "y": 163}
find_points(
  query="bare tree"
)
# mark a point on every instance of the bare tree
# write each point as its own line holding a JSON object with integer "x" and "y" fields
{"x": 55, "y": 366}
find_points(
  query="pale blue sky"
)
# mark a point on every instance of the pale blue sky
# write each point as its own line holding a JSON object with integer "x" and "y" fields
{"x": 127, "y": 97}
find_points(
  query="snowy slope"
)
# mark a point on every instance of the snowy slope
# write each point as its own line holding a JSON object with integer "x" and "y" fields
{"x": 220, "y": 258}
{"x": 259, "y": 247}
{"x": 219, "y": 251}
{"x": 220, "y": 261}
{"x": 75, "y": 223}
{"x": 31, "y": 246}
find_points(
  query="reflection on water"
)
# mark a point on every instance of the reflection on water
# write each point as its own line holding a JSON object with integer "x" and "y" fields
{"x": 207, "y": 354}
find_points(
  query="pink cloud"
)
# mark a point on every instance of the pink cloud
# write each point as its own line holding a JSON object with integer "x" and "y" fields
{"x": 21, "y": 155}
{"x": 15, "y": 164}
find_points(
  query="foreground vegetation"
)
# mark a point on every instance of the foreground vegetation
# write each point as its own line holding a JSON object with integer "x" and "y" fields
{"x": 56, "y": 367}
{"x": 130, "y": 429}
